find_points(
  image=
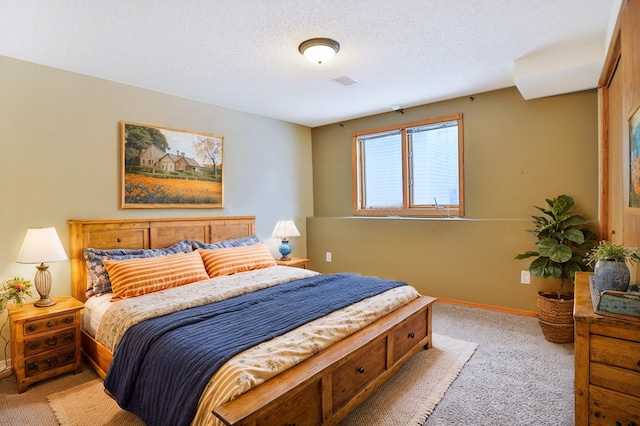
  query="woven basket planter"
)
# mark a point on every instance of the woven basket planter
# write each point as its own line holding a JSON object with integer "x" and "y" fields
{"x": 555, "y": 317}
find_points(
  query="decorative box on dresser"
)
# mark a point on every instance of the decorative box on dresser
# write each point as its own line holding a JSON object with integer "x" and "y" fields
{"x": 45, "y": 341}
{"x": 607, "y": 363}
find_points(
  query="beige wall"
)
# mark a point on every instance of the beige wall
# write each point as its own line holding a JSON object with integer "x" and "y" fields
{"x": 517, "y": 153}
{"x": 59, "y": 143}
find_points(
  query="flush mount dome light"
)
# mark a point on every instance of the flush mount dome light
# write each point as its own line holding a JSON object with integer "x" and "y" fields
{"x": 319, "y": 50}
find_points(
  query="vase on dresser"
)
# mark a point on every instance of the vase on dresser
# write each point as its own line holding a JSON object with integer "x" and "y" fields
{"x": 611, "y": 275}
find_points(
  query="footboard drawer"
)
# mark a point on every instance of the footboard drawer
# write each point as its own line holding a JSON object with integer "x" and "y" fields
{"x": 349, "y": 378}
{"x": 406, "y": 335}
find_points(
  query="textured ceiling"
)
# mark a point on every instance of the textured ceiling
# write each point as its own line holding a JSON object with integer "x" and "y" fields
{"x": 243, "y": 54}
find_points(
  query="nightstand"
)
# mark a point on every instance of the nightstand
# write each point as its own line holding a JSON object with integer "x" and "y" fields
{"x": 296, "y": 262}
{"x": 45, "y": 342}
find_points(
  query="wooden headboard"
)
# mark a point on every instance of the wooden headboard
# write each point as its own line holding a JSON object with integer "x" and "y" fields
{"x": 145, "y": 234}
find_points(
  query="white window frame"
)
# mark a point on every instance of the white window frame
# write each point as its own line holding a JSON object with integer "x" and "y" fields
{"x": 406, "y": 208}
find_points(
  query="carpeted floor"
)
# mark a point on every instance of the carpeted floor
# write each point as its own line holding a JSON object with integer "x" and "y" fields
{"x": 515, "y": 377}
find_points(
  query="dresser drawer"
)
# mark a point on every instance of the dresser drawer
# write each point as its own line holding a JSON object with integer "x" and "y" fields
{"x": 607, "y": 407}
{"x": 615, "y": 378}
{"x": 617, "y": 352}
{"x": 350, "y": 377}
{"x": 49, "y": 323}
{"x": 407, "y": 334}
{"x": 49, "y": 342}
{"x": 42, "y": 363}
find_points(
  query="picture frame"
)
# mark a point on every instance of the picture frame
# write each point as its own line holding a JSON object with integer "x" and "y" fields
{"x": 634, "y": 157}
{"x": 162, "y": 167}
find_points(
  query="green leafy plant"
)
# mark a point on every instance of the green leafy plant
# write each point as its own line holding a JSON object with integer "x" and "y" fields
{"x": 563, "y": 240}
{"x": 606, "y": 250}
{"x": 15, "y": 290}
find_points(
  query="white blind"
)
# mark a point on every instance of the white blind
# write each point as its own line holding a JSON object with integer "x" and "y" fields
{"x": 434, "y": 164}
{"x": 382, "y": 169}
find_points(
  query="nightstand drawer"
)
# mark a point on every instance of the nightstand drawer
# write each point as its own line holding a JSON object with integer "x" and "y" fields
{"x": 47, "y": 362}
{"x": 50, "y": 323}
{"x": 49, "y": 342}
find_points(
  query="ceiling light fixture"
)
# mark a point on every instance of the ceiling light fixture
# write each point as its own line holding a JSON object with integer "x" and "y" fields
{"x": 319, "y": 50}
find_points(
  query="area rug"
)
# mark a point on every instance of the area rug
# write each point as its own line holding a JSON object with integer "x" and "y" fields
{"x": 406, "y": 399}
{"x": 411, "y": 395}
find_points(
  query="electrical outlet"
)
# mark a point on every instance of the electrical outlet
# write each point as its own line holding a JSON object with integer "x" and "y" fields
{"x": 525, "y": 277}
{"x": 328, "y": 257}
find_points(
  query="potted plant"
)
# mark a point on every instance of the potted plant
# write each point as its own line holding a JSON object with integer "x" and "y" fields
{"x": 563, "y": 238}
{"x": 14, "y": 290}
{"x": 611, "y": 271}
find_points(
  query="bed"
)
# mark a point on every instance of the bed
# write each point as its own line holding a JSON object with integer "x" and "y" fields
{"x": 319, "y": 389}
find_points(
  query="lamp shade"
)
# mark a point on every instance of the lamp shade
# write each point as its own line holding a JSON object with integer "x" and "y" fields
{"x": 285, "y": 229}
{"x": 41, "y": 245}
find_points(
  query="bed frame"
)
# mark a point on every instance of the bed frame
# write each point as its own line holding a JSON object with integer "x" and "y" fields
{"x": 321, "y": 390}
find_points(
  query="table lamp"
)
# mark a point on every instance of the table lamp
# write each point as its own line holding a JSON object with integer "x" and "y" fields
{"x": 285, "y": 229}
{"x": 42, "y": 245}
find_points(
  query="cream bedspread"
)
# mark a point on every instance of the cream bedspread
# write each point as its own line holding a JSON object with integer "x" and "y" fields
{"x": 256, "y": 365}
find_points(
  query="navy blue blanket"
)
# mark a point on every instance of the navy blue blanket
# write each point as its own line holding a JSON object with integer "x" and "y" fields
{"x": 162, "y": 365}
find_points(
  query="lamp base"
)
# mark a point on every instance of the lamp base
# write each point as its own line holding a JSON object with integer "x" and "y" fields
{"x": 285, "y": 249}
{"x": 43, "y": 302}
{"x": 43, "y": 286}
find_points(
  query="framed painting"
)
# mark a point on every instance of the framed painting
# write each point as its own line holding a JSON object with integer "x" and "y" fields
{"x": 170, "y": 168}
{"x": 634, "y": 157}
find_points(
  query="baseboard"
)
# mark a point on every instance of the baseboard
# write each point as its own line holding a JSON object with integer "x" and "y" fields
{"x": 5, "y": 369}
{"x": 488, "y": 307}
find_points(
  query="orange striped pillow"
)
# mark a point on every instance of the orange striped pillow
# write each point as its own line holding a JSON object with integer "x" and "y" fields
{"x": 228, "y": 261}
{"x": 135, "y": 277}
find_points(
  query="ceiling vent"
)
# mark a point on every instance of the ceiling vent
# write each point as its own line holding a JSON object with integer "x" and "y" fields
{"x": 345, "y": 81}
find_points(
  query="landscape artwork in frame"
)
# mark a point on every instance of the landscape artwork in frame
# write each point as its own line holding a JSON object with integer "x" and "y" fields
{"x": 634, "y": 157}
{"x": 169, "y": 168}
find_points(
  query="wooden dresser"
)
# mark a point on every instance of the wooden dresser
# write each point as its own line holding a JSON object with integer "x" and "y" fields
{"x": 45, "y": 342}
{"x": 607, "y": 364}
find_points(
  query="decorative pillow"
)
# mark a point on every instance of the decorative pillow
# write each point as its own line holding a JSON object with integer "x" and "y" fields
{"x": 97, "y": 277}
{"x": 227, "y": 261}
{"x": 236, "y": 242}
{"x": 135, "y": 277}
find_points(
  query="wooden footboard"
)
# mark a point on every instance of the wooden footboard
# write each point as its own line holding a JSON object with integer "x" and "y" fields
{"x": 326, "y": 387}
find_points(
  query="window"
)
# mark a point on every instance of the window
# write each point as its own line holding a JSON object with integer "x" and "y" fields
{"x": 414, "y": 169}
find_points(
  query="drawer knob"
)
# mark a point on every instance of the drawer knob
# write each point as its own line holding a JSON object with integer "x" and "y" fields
{"x": 50, "y": 324}
{"x": 361, "y": 370}
{"x": 32, "y": 366}
{"x": 67, "y": 320}
{"x": 632, "y": 424}
{"x": 31, "y": 327}
{"x": 411, "y": 335}
{"x": 618, "y": 424}
{"x": 34, "y": 345}
{"x": 68, "y": 356}
{"x": 52, "y": 341}
{"x": 52, "y": 361}
{"x": 68, "y": 337}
